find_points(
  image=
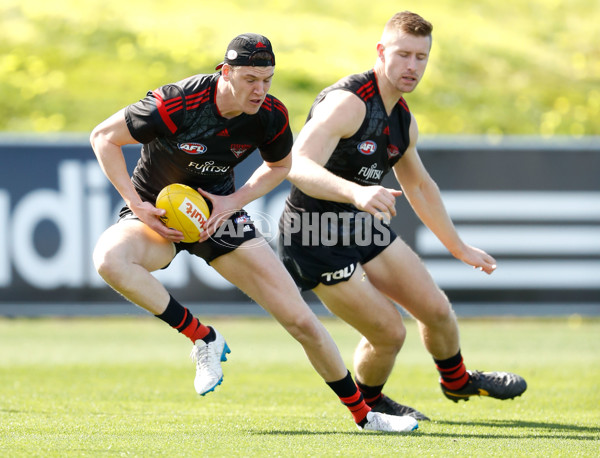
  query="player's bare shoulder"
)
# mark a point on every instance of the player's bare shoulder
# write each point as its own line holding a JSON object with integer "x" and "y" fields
{"x": 342, "y": 111}
{"x": 413, "y": 131}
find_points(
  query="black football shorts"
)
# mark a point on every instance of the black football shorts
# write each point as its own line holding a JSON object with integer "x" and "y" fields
{"x": 311, "y": 265}
{"x": 233, "y": 232}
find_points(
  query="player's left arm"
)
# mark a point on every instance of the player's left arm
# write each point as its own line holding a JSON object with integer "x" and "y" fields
{"x": 424, "y": 196}
{"x": 107, "y": 140}
{"x": 264, "y": 179}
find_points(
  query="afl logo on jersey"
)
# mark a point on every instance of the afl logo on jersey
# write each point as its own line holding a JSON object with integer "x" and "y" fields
{"x": 367, "y": 147}
{"x": 192, "y": 148}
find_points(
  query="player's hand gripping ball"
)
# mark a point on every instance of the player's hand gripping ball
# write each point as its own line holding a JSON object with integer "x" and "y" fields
{"x": 186, "y": 210}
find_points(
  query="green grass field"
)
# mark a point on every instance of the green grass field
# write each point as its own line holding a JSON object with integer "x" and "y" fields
{"x": 124, "y": 386}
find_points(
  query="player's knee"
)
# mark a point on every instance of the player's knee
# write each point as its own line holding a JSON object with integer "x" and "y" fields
{"x": 385, "y": 334}
{"x": 391, "y": 337}
{"x": 107, "y": 265}
{"x": 441, "y": 314}
{"x": 304, "y": 327}
{"x": 398, "y": 337}
{"x": 104, "y": 267}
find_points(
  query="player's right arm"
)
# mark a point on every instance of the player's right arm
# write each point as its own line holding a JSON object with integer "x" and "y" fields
{"x": 107, "y": 140}
{"x": 338, "y": 116}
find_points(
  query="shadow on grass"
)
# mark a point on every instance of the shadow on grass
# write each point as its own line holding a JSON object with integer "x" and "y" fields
{"x": 559, "y": 430}
{"x": 565, "y": 427}
{"x": 329, "y": 433}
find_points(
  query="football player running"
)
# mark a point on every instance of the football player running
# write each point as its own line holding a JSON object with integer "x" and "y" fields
{"x": 357, "y": 131}
{"x": 194, "y": 132}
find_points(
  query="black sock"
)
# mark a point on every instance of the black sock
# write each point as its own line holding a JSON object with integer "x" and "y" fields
{"x": 210, "y": 336}
{"x": 348, "y": 393}
{"x": 370, "y": 393}
{"x": 181, "y": 319}
{"x": 453, "y": 373}
{"x": 176, "y": 315}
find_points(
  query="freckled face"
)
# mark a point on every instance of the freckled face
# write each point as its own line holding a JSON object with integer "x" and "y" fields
{"x": 404, "y": 58}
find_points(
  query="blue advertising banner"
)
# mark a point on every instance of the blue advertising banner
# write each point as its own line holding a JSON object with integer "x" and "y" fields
{"x": 534, "y": 204}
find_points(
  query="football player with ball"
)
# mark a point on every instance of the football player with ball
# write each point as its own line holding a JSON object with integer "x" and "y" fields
{"x": 194, "y": 132}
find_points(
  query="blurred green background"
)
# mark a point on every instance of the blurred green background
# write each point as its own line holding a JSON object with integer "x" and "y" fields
{"x": 513, "y": 67}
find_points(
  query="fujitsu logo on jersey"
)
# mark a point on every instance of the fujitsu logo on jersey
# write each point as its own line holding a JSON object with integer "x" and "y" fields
{"x": 209, "y": 168}
{"x": 192, "y": 148}
{"x": 238, "y": 149}
{"x": 367, "y": 147}
{"x": 371, "y": 172}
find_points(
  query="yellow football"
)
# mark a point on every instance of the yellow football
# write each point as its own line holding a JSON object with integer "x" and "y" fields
{"x": 186, "y": 210}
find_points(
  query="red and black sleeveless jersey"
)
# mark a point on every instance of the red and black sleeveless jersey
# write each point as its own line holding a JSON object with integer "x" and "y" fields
{"x": 372, "y": 151}
{"x": 186, "y": 140}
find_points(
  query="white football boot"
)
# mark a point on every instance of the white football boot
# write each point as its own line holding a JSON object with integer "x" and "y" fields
{"x": 208, "y": 357}
{"x": 377, "y": 421}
